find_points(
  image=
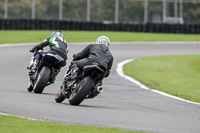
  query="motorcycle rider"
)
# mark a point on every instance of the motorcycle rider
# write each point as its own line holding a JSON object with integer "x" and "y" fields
{"x": 57, "y": 45}
{"x": 92, "y": 54}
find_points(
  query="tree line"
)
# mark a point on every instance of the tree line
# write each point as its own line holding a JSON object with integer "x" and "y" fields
{"x": 101, "y": 10}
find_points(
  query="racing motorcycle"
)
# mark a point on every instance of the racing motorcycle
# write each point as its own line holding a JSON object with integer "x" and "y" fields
{"x": 85, "y": 86}
{"x": 45, "y": 72}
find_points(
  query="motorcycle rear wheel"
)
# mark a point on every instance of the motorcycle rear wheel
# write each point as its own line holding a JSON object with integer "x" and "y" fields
{"x": 82, "y": 91}
{"x": 42, "y": 80}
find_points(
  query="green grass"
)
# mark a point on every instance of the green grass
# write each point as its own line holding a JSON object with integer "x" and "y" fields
{"x": 11, "y": 124}
{"x": 176, "y": 75}
{"x": 8, "y": 36}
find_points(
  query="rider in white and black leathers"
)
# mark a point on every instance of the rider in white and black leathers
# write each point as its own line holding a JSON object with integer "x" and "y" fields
{"x": 93, "y": 54}
{"x": 57, "y": 45}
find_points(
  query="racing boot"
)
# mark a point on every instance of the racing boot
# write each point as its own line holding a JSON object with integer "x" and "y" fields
{"x": 74, "y": 74}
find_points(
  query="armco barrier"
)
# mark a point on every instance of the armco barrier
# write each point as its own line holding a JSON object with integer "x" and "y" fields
{"x": 37, "y": 24}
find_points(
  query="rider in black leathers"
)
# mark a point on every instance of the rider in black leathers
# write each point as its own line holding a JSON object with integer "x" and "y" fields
{"x": 93, "y": 54}
{"x": 57, "y": 45}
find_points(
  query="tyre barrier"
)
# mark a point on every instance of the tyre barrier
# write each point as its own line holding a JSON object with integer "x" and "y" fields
{"x": 38, "y": 24}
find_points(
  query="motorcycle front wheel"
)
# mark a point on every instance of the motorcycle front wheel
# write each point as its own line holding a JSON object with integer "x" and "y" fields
{"x": 30, "y": 87}
{"x": 59, "y": 97}
{"x": 42, "y": 80}
{"x": 82, "y": 91}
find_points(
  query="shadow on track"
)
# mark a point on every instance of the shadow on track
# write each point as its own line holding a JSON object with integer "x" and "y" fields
{"x": 87, "y": 106}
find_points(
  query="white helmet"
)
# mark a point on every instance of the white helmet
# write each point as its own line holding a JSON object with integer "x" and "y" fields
{"x": 103, "y": 40}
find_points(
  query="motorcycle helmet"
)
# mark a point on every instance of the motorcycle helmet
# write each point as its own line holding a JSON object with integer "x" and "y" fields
{"x": 57, "y": 33}
{"x": 103, "y": 40}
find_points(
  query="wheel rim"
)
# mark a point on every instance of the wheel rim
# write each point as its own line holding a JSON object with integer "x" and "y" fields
{"x": 38, "y": 77}
{"x": 75, "y": 91}
{"x": 72, "y": 95}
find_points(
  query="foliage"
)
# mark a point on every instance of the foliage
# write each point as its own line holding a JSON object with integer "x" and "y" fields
{"x": 101, "y": 10}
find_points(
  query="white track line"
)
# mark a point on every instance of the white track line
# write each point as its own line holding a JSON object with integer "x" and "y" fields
{"x": 121, "y": 73}
{"x": 22, "y": 117}
{"x": 113, "y": 43}
{"x": 16, "y": 45}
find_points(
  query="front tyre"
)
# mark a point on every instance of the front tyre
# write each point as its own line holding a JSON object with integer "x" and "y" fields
{"x": 59, "y": 97}
{"x": 82, "y": 91}
{"x": 30, "y": 87}
{"x": 42, "y": 79}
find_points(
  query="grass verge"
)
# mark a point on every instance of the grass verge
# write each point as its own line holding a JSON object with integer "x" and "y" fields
{"x": 12, "y": 124}
{"x": 176, "y": 75}
{"x": 26, "y": 36}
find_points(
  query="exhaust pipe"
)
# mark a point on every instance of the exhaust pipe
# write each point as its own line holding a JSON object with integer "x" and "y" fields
{"x": 95, "y": 92}
{"x": 99, "y": 89}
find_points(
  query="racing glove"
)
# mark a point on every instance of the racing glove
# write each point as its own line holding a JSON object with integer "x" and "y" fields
{"x": 107, "y": 73}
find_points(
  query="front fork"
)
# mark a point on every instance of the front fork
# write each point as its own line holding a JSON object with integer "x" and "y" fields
{"x": 62, "y": 89}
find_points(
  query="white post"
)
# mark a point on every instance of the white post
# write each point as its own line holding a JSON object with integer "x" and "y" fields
{"x": 181, "y": 9}
{"x": 164, "y": 10}
{"x": 60, "y": 9}
{"x": 175, "y": 9}
{"x": 116, "y": 11}
{"x": 88, "y": 10}
{"x": 6, "y": 9}
{"x": 145, "y": 11}
{"x": 33, "y": 9}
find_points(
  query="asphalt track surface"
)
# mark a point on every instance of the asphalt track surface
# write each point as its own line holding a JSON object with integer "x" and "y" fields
{"x": 122, "y": 104}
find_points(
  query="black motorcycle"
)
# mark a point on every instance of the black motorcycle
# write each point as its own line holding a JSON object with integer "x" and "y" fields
{"x": 83, "y": 87}
{"x": 45, "y": 72}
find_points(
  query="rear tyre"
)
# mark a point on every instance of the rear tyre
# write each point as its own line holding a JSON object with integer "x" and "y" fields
{"x": 59, "y": 97}
{"x": 42, "y": 80}
{"x": 82, "y": 91}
